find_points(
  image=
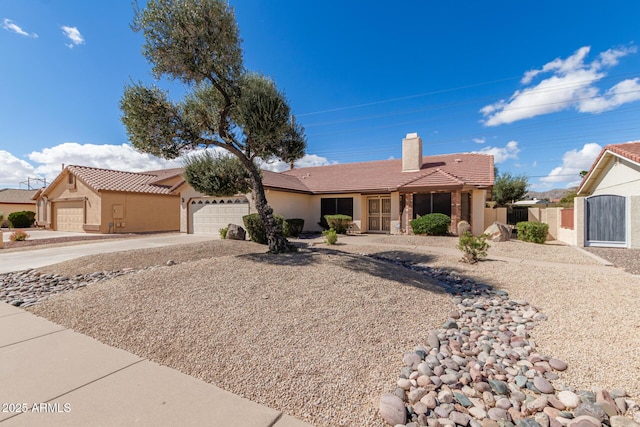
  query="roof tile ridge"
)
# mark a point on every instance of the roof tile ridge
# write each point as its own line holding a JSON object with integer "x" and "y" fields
{"x": 299, "y": 180}
{"x": 455, "y": 177}
{"x": 423, "y": 175}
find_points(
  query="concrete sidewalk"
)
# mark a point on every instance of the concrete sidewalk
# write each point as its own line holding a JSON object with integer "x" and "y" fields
{"x": 52, "y": 376}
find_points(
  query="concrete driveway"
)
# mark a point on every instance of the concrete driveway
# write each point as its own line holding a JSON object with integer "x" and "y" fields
{"x": 23, "y": 260}
{"x": 37, "y": 233}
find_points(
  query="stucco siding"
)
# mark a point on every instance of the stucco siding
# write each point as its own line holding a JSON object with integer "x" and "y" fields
{"x": 290, "y": 205}
{"x": 621, "y": 178}
{"x": 478, "y": 201}
{"x": 135, "y": 212}
{"x": 63, "y": 191}
{"x": 634, "y": 221}
{"x": 9, "y": 208}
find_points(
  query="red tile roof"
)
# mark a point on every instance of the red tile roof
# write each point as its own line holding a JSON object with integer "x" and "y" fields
{"x": 111, "y": 180}
{"x": 630, "y": 150}
{"x": 14, "y": 196}
{"x": 283, "y": 182}
{"x": 442, "y": 171}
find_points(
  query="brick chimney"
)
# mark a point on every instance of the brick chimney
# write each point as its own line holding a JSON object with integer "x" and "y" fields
{"x": 411, "y": 153}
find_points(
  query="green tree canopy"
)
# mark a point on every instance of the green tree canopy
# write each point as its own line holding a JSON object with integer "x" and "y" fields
{"x": 216, "y": 174}
{"x": 508, "y": 188}
{"x": 197, "y": 42}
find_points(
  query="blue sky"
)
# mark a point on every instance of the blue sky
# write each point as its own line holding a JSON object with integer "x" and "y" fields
{"x": 542, "y": 87}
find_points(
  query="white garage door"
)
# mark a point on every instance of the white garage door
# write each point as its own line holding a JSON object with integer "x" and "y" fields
{"x": 69, "y": 216}
{"x": 207, "y": 215}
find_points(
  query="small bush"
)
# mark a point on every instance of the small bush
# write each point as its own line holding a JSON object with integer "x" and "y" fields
{"x": 340, "y": 223}
{"x": 435, "y": 224}
{"x": 18, "y": 236}
{"x": 223, "y": 232}
{"x": 22, "y": 219}
{"x": 295, "y": 226}
{"x": 330, "y": 236}
{"x": 535, "y": 232}
{"x": 474, "y": 247}
{"x": 255, "y": 228}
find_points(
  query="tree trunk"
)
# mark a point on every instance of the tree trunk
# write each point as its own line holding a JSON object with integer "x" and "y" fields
{"x": 275, "y": 239}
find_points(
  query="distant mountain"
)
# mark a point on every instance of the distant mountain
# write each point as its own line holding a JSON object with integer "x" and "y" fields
{"x": 556, "y": 193}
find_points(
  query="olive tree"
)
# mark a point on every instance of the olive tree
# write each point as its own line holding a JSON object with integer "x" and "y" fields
{"x": 197, "y": 42}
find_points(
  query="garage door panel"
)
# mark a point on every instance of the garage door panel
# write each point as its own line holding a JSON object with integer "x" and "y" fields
{"x": 69, "y": 216}
{"x": 209, "y": 215}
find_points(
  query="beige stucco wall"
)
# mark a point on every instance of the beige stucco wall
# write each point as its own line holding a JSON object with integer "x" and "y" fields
{"x": 619, "y": 178}
{"x": 478, "y": 220}
{"x": 578, "y": 220}
{"x": 9, "y": 208}
{"x": 492, "y": 215}
{"x": 62, "y": 191}
{"x": 291, "y": 205}
{"x": 141, "y": 212}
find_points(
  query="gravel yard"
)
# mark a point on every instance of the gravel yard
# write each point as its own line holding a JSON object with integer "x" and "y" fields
{"x": 320, "y": 334}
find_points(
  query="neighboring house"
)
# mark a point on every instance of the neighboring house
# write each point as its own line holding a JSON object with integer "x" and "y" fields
{"x": 531, "y": 202}
{"x": 106, "y": 201}
{"x": 12, "y": 200}
{"x": 607, "y": 209}
{"x": 380, "y": 196}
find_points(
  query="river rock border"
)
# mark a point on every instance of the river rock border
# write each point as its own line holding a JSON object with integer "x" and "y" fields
{"x": 481, "y": 369}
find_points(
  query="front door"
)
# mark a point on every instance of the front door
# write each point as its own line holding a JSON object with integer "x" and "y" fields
{"x": 379, "y": 214}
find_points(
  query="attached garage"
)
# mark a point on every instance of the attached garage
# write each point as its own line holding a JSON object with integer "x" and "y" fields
{"x": 69, "y": 215}
{"x": 207, "y": 215}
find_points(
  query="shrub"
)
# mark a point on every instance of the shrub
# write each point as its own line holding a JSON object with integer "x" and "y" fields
{"x": 474, "y": 247}
{"x": 435, "y": 224}
{"x": 330, "y": 236}
{"x": 535, "y": 232}
{"x": 295, "y": 226}
{"x": 255, "y": 228}
{"x": 18, "y": 236}
{"x": 22, "y": 219}
{"x": 223, "y": 232}
{"x": 340, "y": 223}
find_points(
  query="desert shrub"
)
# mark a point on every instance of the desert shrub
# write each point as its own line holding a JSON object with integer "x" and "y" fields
{"x": 295, "y": 226}
{"x": 473, "y": 247}
{"x": 330, "y": 236}
{"x": 223, "y": 232}
{"x": 435, "y": 224}
{"x": 22, "y": 219}
{"x": 18, "y": 236}
{"x": 535, "y": 232}
{"x": 255, "y": 228}
{"x": 340, "y": 223}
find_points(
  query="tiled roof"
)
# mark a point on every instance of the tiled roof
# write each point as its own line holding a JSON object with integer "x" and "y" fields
{"x": 386, "y": 175}
{"x": 282, "y": 181}
{"x": 9, "y": 195}
{"x": 111, "y": 180}
{"x": 629, "y": 150}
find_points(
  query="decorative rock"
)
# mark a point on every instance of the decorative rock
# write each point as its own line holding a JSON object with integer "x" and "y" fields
{"x": 404, "y": 383}
{"x": 499, "y": 387}
{"x": 497, "y": 414}
{"x": 584, "y": 421}
{"x": 430, "y": 400}
{"x": 416, "y": 394}
{"x": 543, "y": 385}
{"x": 503, "y": 403}
{"x": 392, "y": 410}
{"x": 569, "y": 399}
{"x": 542, "y": 419}
{"x": 487, "y": 422}
{"x": 420, "y": 408}
{"x": 412, "y": 360}
{"x": 608, "y": 408}
{"x": 235, "y": 232}
{"x": 459, "y": 418}
{"x": 462, "y": 399}
{"x": 433, "y": 340}
{"x": 528, "y": 422}
{"x": 557, "y": 364}
{"x": 449, "y": 378}
{"x": 590, "y": 409}
{"x": 498, "y": 232}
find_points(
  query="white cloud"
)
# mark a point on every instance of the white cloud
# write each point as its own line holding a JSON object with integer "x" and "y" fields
{"x": 570, "y": 85}
{"x": 48, "y": 162}
{"x": 9, "y": 25}
{"x": 502, "y": 154}
{"x": 573, "y": 162}
{"x": 73, "y": 34}
{"x": 13, "y": 170}
{"x": 480, "y": 140}
{"x": 118, "y": 157}
{"x": 307, "y": 161}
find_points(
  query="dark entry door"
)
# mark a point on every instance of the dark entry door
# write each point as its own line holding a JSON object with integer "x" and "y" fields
{"x": 605, "y": 220}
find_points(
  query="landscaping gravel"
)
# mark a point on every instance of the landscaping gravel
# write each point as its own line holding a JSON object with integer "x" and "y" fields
{"x": 321, "y": 334}
{"x": 625, "y": 258}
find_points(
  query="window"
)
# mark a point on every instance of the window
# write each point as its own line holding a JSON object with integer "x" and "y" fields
{"x": 428, "y": 203}
{"x": 336, "y": 205}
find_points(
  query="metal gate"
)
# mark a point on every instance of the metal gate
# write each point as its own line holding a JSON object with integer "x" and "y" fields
{"x": 605, "y": 221}
{"x": 517, "y": 214}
